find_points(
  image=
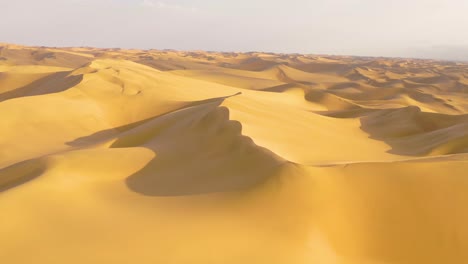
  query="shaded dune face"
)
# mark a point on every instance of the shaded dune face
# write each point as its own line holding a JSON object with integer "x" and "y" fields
{"x": 20, "y": 173}
{"x": 411, "y": 132}
{"x": 134, "y": 156}
{"x": 53, "y": 83}
{"x": 231, "y": 161}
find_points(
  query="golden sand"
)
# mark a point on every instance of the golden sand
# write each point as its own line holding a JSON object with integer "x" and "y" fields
{"x": 132, "y": 156}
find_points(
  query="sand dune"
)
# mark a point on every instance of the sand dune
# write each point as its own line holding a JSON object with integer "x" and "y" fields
{"x": 133, "y": 156}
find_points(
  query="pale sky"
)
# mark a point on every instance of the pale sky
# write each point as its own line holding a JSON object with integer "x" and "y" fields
{"x": 412, "y": 28}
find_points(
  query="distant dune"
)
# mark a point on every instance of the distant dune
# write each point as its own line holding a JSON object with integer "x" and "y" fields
{"x": 133, "y": 156}
{"x": 442, "y": 52}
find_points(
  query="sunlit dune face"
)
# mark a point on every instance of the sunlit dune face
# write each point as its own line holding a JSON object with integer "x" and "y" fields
{"x": 148, "y": 156}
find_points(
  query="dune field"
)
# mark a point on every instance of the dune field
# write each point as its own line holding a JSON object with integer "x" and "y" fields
{"x": 161, "y": 156}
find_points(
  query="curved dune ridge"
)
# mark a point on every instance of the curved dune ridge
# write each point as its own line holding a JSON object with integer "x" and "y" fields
{"x": 149, "y": 156}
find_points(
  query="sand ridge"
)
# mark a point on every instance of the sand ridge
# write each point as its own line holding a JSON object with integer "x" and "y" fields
{"x": 162, "y": 156}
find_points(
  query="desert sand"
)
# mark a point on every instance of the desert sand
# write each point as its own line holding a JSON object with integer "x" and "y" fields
{"x": 161, "y": 156}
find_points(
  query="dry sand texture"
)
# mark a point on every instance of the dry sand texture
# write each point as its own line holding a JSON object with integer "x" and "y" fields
{"x": 131, "y": 156}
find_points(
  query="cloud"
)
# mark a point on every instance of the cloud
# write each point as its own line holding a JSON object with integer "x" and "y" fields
{"x": 147, "y": 3}
{"x": 167, "y": 6}
{"x": 159, "y": 4}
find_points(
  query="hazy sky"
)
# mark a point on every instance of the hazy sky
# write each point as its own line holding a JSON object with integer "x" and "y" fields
{"x": 419, "y": 28}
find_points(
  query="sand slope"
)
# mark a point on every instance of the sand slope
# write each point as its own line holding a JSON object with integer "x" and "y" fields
{"x": 132, "y": 156}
